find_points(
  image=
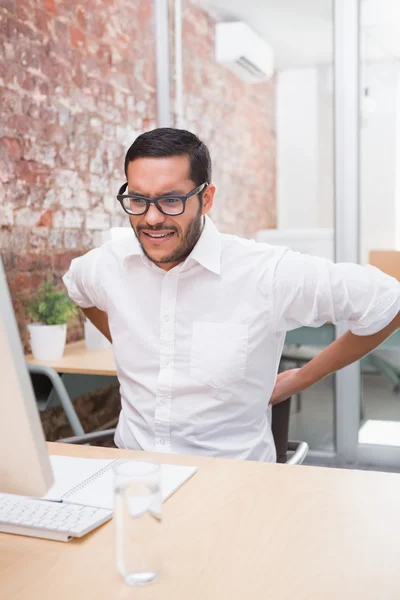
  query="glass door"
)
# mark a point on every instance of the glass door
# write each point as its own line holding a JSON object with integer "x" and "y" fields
{"x": 379, "y": 422}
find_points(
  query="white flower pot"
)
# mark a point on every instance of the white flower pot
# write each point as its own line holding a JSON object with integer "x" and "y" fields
{"x": 94, "y": 339}
{"x": 47, "y": 341}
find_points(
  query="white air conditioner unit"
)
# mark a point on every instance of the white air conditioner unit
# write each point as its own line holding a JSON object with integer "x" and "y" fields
{"x": 243, "y": 52}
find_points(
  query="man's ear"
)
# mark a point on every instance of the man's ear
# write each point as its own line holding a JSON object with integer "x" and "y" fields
{"x": 208, "y": 198}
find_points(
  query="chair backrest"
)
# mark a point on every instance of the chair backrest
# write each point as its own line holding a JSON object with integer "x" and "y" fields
{"x": 280, "y": 429}
{"x": 42, "y": 388}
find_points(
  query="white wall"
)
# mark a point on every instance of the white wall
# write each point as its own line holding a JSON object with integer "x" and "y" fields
{"x": 378, "y": 155}
{"x": 305, "y": 197}
{"x": 325, "y": 162}
{"x": 297, "y": 148}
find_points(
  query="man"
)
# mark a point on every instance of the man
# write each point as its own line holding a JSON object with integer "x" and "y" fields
{"x": 198, "y": 319}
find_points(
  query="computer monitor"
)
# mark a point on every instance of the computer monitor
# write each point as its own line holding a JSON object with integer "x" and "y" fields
{"x": 24, "y": 461}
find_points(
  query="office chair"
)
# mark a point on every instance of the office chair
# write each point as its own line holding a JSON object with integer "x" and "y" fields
{"x": 280, "y": 432}
{"x": 45, "y": 380}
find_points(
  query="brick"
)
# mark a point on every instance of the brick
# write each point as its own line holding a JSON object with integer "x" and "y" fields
{"x": 10, "y": 102}
{"x": 12, "y": 147}
{"x": 96, "y": 24}
{"x": 42, "y": 153}
{"x": 32, "y": 172}
{"x": 37, "y": 280}
{"x": 8, "y": 5}
{"x": 24, "y": 10}
{"x": 54, "y": 134}
{"x": 6, "y": 215}
{"x": 19, "y": 31}
{"x": 110, "y": 203}
{"x": 77, "y": 37}
{"x": 80, "y": 14}
{"x": 17, "y": 240}
{"x": 38, "y": 238}
{"x": 119, "y": 220}
{"x": 45, "y": 219}
{"x": 26, "y": 81}
{"x": 97, "y": 220}
{"x": 104, "y": 55}
{"x": 79, "y": 78}
{"x": 96, "y": 125}
{"x": 56, "y": 238}
{"x": 98, "y": 184}
{"x": 87, "y": 240}
{"x": 58, "y": 219}
{"x": 20, "y": 283}
{"x": 50, "y": 6}
{"x": 62, "y": 43}
{"x": 71, "y": 238}
{"x": 30, "y": 107}
{"x": 43, "y": 22}
{"x": 73, "y": 219}
{"x": 31, "y": 261}
{"x": 5, "y": 172}
{"x": 62, "y": 261}
{"x": 5, "y": 235}
{"x": 8, "y": 260}
{"x": 49, "y": 68}
{"x": 68, "y": 178}
{"x": 26, "y": 217}
{"x": 80, "y": 200}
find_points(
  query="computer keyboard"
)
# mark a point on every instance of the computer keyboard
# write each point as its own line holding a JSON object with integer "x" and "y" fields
{"x": 51, "y": 520}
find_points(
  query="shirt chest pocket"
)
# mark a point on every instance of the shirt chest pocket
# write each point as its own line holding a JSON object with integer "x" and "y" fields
{"x": 219, "y": 353}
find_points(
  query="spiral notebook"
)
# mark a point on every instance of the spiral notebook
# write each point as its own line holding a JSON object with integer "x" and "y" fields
{"x": 90, "y": 481}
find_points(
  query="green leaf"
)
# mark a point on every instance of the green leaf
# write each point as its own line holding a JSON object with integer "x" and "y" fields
{"x": 51, "y": 306}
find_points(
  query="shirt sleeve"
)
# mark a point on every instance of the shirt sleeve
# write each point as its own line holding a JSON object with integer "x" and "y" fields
{"x": 311, "y": 291}
{"x": 83, "y": 280}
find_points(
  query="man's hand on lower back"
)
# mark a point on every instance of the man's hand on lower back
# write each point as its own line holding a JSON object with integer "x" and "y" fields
{"x": 287, "y": 384}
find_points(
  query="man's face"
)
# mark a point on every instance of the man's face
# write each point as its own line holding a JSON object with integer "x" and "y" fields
{"x": 167, "y": 240}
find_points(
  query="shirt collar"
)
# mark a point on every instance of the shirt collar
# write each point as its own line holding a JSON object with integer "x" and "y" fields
{"x": 207, "y": 251}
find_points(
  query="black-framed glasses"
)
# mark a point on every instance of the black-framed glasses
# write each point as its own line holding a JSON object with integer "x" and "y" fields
{"x": 170, "y": 204}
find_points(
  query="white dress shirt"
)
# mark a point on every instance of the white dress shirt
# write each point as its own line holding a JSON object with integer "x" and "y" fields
{"x": 197, "y": 348}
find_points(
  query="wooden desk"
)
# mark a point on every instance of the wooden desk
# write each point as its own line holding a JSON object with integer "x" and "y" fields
{"x": 78, "y": 360}
{"x": 387, "y": 261}
{"x": 235, "y": 531}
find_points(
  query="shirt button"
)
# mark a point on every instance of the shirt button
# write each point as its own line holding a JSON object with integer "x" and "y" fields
{"x": 162, "y": 442}
{"x": 166, "y": 318}
{"x": 166, "y": 361}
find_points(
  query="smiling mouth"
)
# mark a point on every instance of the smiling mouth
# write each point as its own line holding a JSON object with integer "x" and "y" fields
{"x": 158, "y": 236}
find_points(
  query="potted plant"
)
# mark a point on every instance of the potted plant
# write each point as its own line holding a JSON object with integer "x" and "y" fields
{"x": 50, "y": 309}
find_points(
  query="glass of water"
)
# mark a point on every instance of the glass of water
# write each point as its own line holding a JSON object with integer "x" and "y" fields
{"x": 138, "y": 520}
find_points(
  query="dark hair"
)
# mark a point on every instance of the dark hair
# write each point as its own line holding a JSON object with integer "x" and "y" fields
{"x": 167, "y": 141}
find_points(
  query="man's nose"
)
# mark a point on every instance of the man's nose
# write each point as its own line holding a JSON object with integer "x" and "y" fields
{"x": 154, "y": 216}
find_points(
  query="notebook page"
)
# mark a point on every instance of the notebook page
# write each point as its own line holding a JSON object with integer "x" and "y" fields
{"x": 70, "y": 472}
{"x": 99, "y": 492}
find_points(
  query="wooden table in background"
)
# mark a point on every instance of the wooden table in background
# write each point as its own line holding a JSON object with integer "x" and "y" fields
{"x": 237, "y": 530}
{"x": 82, "y": 370}
{"x": 78, "y": 360}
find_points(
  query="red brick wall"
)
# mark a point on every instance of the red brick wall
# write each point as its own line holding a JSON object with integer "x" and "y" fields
{"x": 77, "y": 84}
{"x": 76, "y": 87}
